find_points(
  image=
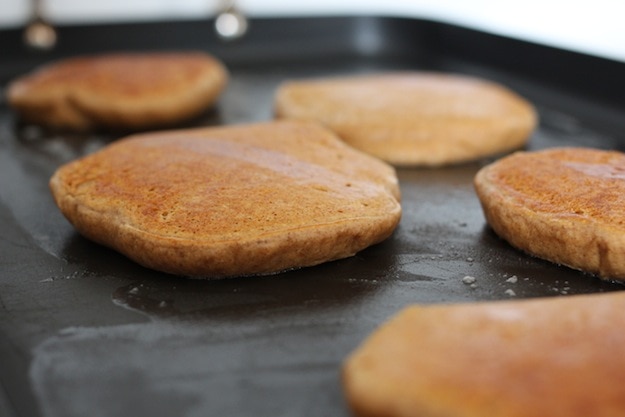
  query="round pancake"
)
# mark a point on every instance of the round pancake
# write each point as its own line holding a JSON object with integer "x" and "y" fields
{"x": 119, "y": 91}
{"x": 231, "y": 201}
{"x": 413, "y": 118}
{"x": 565, "y": 205}
{"x": 549, "y": 357}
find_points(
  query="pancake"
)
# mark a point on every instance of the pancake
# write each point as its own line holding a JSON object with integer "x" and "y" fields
{"x": 119, "y": 90}
{"x": 230, "y": 201}
{"x": 565, "y": 205}
{"x": 549, "y": 357}
{"x": 413, "y": 118}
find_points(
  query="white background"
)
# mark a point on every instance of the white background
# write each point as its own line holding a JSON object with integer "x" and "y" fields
{"x": 593, "y": 26}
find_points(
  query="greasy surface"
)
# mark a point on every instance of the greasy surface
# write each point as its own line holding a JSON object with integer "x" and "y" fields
{"x": 119, "y": 91}
{"x": 85, "y": 331}
{"x": 565, "y": 205}
{"x": 538, "y": 358}
{"x": 413, "y": 118}
{"x": 231, "y": 201}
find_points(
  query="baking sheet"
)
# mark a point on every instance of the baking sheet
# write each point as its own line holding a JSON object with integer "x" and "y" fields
{"x": 84, "y": 331}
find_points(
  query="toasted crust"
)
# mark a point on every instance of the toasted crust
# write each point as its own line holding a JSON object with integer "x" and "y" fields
{"x": 119, "y": 91}
{"x": 559, "y": 357}
{"x": 219, "y": 202}
{"x": 565, "y": 205}
{"x": 413, "y": 118}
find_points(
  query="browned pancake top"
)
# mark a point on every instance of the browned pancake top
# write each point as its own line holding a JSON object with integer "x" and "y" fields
{"x": 536, "y": 358}
{"x": 123, "y": 75}
{"x": 566, "y": 181}
{"x": 232, "y": 183}
{"x": 119, "y": 90}
{"x": 402, "y": 96}
{"x": 413, "y": 118}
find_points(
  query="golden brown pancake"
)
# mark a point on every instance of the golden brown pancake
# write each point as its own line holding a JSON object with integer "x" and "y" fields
{"x": 549, "y": 357}
{"x": 119, "y": 91}
{"x": 565, "y": 205}
{"x": 413, "y": 118}
{"x": 230, "y": 201}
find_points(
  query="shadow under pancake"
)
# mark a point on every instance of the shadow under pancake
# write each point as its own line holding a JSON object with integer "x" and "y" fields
{"x": 333, "y": 285}
{"x": 157, "y": 294}
{"x": 536, "y": 277}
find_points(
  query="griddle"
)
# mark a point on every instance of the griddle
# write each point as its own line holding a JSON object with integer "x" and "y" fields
{"x": 85, "y": 331}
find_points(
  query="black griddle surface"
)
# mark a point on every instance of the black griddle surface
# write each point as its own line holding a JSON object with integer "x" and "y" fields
{"x": 84, "y": 331}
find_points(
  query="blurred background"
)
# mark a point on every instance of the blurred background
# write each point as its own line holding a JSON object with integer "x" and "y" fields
{"x": 589, "y": 26}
